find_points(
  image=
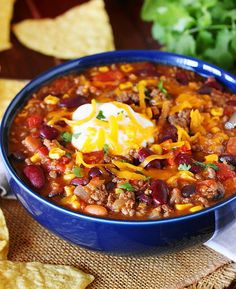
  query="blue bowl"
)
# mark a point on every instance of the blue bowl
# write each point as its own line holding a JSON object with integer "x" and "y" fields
{"x": 118, "y": 236}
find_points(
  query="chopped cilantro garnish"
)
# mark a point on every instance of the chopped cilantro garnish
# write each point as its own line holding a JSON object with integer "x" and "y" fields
{"x": 76, "y": 135}
{"x": 106, "y": 148}
{"x": 120, "y": 112}
{"x": 68, "y": 155}
{"x": 184, "y": 167}
{"x": 205, "y": 166}
{"x": 66, "y": 136}
{"x": 127, "y": 186}
{"x": 161, "y": 87}
{"x": 100, "y": 115}
{"x": 78, "y": 172}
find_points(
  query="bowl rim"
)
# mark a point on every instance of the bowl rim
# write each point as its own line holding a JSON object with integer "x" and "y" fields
{"x": 117, "y": 56}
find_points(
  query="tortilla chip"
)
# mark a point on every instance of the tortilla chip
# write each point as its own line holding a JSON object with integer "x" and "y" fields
{"x": 6, "y": 11}
{"x": 4, "y": 237}
{"x": 82, "y": 30}
{"x": 8, "y": 89}
{"x": 34, "y": 275}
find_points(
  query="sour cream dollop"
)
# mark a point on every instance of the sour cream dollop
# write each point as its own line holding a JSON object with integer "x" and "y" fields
{"x": 114, "y": 125}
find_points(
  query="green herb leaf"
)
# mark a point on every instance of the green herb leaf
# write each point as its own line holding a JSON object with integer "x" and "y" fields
{"x": 184, "y": 167}
{"x": 127, "y": 186}
{"x": 205, "y": 166}
{"x": 202, "y": 28}
{"x": 66, "y": 136}
{"x": 100, "y": 115}
{"x": 78, "y": 172}
{"x": 76, "y": 135}
{"x": 68, "y": 155}
{"x": 161, "y": 87}
{"x": 106, "y": 148}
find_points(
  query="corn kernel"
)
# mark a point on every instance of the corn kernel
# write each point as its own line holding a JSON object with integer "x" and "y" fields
{"x": 211, "y": 158}
{"x": 69, "y": 190}
{"x": 74, "y": 202}
{"x": 196, "y": 208}
{"x": 50, "y": 99}
{"x": 125, "y": 85}
{"x": 68, "y": 177}
{"x": 126, "y": 67}
{"x": 217, "y": 111}
{"x": 103, "y": 69}
{"x": 35, "y": 158}
{"x": 181, "y": 207}
{"x": 149, "y": 112}
{"x": 56, "y": 153}
{"x": 215, "y": 129}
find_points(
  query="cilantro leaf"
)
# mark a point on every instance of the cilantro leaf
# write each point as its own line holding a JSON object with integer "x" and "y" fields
{"x": 161, "y": 87}
{"x": 127, "y": 186}
{"x": 184, "y": 167}
{"x": 201, "y": 28}
{"x": 78, "y": 172}
{"x": 100, "y": 115}
{"x": 66, "y": 136}
{"x": 106, "y": 148}
{"x": 208, "y": 165}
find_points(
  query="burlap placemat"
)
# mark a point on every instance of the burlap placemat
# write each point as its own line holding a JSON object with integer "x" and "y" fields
{"x": 30, "y": 242}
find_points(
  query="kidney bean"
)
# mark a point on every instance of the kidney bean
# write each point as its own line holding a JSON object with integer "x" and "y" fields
{"x": 145, "y": 199}
{"x": 181, "y": 77}
{"x": 168, "y": 132}
{"x": 228, "y": 159}
{"x": 61, "y": 123}
{"x": 231, "y": 102}
{"x": 70, "y": 102}
{"x": 211, "y": 82}
{"x": 49, "y": 132}
{"x": 96, "y": 210}
{"x": 160, "y": 192}
{"x": 185, "y": 158}
{"x": 110, "y": 186}
{"x": 204, "y": 90}
{"x": 143, "y": 153}
{"x": 188, "y": 190}
{"x": 80, "y": 181}
{"x": 35, "y": 175}
{"x": 94, "y": 172}
{"x": 155, "y": 164}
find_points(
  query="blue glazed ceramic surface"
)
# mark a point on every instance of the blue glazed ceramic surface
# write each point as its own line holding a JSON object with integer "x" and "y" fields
{"x": 114, "y": 236}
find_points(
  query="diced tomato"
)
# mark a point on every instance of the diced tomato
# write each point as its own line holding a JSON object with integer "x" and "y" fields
{"x": 43, "y": 151}
{"x": 65, "y": 160}
{"x": 228, "y": 110}
{"x": 230, "y": 185}
{"x": 109, "y": 76}
{"x": 224, "y": 172}
{"x": 60, "y": 168}
{"x": 231, "y": 146}
{"x": 94, "y": 157}
{"x": 34, "y": 121}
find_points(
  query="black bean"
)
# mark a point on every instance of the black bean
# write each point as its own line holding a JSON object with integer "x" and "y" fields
{"x": 110, "y": 186}
{"x": 188, "y": 190}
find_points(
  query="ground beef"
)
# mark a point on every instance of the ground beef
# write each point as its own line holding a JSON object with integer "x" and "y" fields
{"x": 181, "y": 118}
{"x": 128, "y": 97}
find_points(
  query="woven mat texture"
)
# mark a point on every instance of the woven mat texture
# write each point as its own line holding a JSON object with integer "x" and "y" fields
{"x": 30, "y": 242}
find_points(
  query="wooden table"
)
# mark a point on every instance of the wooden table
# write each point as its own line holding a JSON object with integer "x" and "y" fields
{"x": 129, "y": 33}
